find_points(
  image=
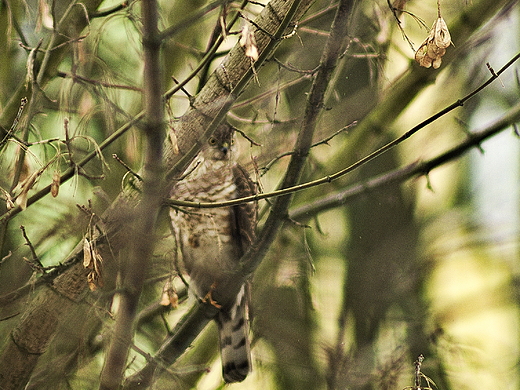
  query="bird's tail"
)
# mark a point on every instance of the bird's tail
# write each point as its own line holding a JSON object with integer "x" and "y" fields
{"x": 234, "y": 340}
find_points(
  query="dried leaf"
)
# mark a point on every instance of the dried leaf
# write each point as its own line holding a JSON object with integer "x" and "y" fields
{"x": 92, "y": 281}
{"x": 55, "y": 185}
{"x": 25, "y": 186}
{"x": 421, "y": 56}
{"x": 87, "y": 253}
{"x": 248, "y": 41}
{"x": 94, "y": 277}
{"x": 437, "y": 62}
{"x": 169, "y": 297}
{"x": 98, "y": 261}
{"x": 44, "y": 16}
{"x": 9, "y": 203}
{"x": 442, "y": 37}
{"x": 173, "y": 140}
{"x": 8, "y": 199}
{"x": 93, "y": 261}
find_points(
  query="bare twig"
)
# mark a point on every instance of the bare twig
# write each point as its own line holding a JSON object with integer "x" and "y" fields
{"x": 320, "y": 142}
{"x": 34, "y": 262}
{"x": 199, "y": 316}
{"x": 11, "y": 131}
{"x": 125, "y": 165}
{"x": 419, "y": 376}
{"x": 86, "y": 80}
{"x": 69, "y": 173}
{"x": 399, "y": 175}
{"x": 108, "y": 11}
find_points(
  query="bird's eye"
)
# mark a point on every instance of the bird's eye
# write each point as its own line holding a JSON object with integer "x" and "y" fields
{"x": 212, "y": 141}
{"x": 232, "y": 141}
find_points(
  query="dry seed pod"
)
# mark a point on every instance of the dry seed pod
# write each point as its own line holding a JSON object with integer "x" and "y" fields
{"x": 169, "y": 297}
{"x": 55, "y": 185}
{"x": 442, "y": 37}
{"x": 25, "y": 186}
{"x": 434, "y": 47}
{"x": 87, "y": 253}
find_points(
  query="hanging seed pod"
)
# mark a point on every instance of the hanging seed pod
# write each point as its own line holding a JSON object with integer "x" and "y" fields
{"x": 434, "y": 47}
{"x": 55, "y": 185}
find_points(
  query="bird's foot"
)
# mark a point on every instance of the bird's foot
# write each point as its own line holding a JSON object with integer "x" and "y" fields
{"x": 208, "y": 298}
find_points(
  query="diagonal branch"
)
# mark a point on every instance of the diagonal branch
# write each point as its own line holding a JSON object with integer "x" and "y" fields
{"x": 315, "y": 103}
{"x": 201, "y": 119}
{"x": 41, "y": 319}
{"x": 304, "y": 212}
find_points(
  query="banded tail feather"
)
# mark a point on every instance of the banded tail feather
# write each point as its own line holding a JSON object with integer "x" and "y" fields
{"x": 235, "y": 349}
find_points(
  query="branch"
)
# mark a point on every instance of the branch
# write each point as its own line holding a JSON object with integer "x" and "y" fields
{"x": 77, "y": 22}
{"x": 41, "y": 319}
{"x": 240, "y": 69}
{"x": 141, "y": 240}
{"x": 37, "y": 325}
{"x": 324, "y": 141}
{"x": 328, "y": 62}
{"x": 188, "y": 328}
{"x": 307, "y": 211}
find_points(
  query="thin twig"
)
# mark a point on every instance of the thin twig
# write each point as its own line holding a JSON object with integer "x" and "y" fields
{"x": 35, "y": 262}
{"x": 125, "y": 165}
{"x": 402, "y": 174}
{"x": 108, "y": 11}
{"x": 71, "y": 172}
{"x": 199, "y": 316}
{"x": 324, "y": 141}
{"x": 12, "y": 129}
{"x": 77, "y": 77}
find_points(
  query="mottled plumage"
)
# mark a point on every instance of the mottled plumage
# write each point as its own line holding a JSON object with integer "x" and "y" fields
{"x": 211, "y": 241}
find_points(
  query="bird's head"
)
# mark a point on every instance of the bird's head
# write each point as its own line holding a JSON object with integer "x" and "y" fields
{"x": 220, "y": 145}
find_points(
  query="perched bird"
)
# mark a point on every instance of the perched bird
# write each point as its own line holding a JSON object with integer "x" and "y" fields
{"x": 212, "y": 241}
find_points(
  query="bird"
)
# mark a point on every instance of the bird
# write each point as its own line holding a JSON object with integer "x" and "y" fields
{"x": 210, "y": 242}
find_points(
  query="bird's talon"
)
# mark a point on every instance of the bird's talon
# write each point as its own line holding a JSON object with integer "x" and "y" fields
{"x": 209, "y": 299}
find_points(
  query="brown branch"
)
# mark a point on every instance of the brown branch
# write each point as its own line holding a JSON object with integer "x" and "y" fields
{"x": 141, "y": 240}
{"x": 108, "y": 11}
{"x": 44, "y": 306}
{"x": 35, "y": 262}
{"x": 324, "y": 141}
{"x": 77, "y": 77}
{"x": 279, "y": 210}
{"x": 206, "y": 60}
{"x": 69, "y": 173}
{"x": 10, "y": 132}
{"x": 200, "y": 315}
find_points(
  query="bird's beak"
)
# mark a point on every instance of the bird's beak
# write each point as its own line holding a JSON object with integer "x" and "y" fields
{"x": 225, "y": 148}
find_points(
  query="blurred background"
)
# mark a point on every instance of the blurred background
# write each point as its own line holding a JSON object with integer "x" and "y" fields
{"x": 362, "y": 279}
